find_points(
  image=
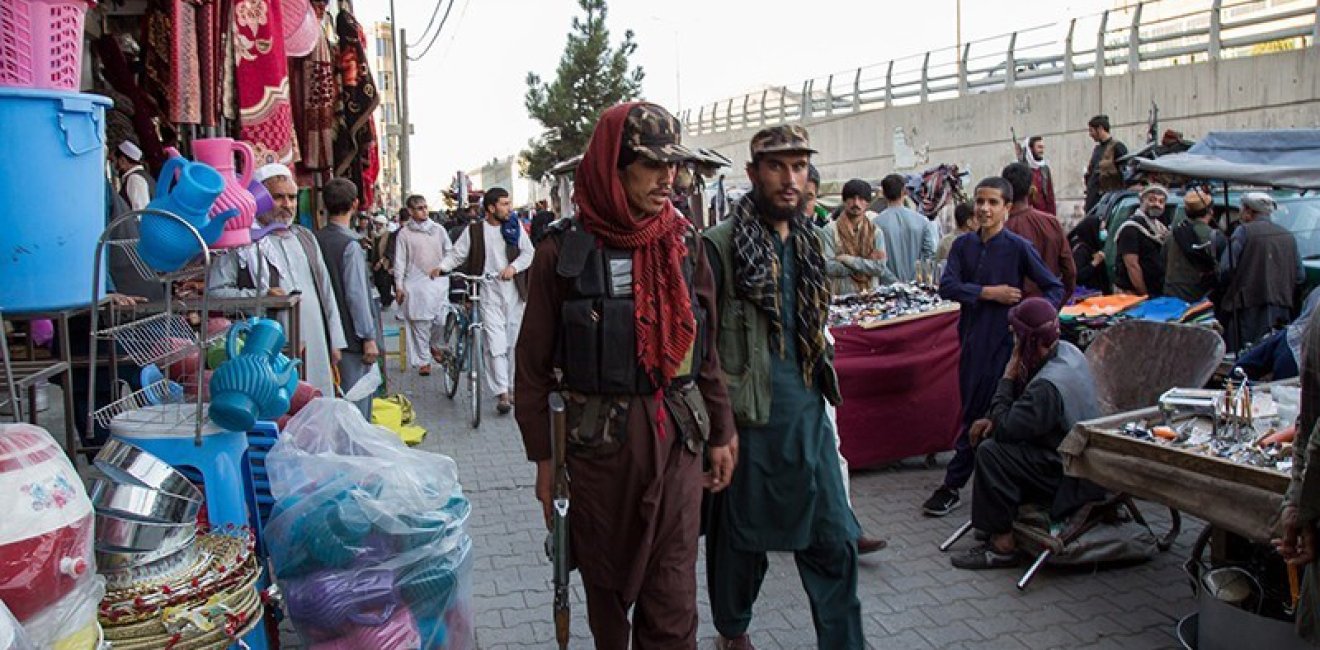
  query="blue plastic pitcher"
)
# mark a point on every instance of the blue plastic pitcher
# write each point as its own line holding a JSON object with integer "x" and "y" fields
{"x": 166, "y": 245}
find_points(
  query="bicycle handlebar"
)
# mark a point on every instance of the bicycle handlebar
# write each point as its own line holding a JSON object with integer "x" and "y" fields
{"x": 485, "y": 277}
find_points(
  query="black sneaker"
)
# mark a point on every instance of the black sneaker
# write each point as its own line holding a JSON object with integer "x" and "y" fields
{"x": 941, "y": 503}
{"x": 983, "y": 556}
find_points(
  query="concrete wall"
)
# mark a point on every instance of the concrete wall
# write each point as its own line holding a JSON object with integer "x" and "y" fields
{"x": 1267, "y": 91}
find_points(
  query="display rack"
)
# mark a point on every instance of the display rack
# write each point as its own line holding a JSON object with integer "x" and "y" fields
{"x": 164, "y": 334}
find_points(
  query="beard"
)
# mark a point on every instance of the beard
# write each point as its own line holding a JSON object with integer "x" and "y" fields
{"x": 768, "y": 209}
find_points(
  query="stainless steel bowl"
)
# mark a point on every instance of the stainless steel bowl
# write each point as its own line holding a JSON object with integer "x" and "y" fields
{"x": 126, "y": 463}
{"x": 117, "y": 534}
{"x": 124, "y": 570}
{"x": 142, "y": 504}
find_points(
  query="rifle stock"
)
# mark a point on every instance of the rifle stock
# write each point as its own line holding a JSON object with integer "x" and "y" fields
{"x": 557, "y": 544}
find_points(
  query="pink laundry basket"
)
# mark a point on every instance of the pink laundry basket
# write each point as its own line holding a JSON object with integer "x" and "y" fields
{"x": 41, "y": 43}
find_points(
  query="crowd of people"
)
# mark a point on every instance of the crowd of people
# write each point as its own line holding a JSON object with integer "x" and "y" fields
{"x": 728, "y": 388}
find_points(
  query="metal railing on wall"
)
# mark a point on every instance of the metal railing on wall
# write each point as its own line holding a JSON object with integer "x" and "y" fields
{"x": 1114, "y": 42}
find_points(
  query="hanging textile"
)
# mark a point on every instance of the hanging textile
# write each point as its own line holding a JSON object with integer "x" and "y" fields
{"x": 157, "y": 31}
{"x": 355, "y": 133}
{"x": 262, "y": 78}
{"x": 208, "y": 58}
{"x": 144, "y": 112}
{"x": 319, "y": 91}
{"x": 185, "y": 80}
{"x": 300, "y": 27}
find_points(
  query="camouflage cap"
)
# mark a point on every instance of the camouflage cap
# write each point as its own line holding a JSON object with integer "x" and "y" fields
{"x": 779, "y": 139}
{"x": 655, "y": 134}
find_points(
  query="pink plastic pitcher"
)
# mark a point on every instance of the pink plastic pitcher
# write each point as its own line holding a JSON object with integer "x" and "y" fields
{"x": 219, "y": 153}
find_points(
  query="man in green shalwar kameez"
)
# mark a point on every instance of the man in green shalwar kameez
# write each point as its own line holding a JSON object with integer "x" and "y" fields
{"x": 788, "y": 493}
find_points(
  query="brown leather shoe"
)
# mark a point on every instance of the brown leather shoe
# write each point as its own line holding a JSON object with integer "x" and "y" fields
{"x": 869, "y": 545}
{"x": 743, "y": 642}
{"x": 425, "y": 370}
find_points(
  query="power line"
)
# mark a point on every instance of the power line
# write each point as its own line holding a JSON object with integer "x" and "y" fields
{"x": 435, "y": 11}
{"x": 456, "y": 31}
{"x": 438, "y": 30}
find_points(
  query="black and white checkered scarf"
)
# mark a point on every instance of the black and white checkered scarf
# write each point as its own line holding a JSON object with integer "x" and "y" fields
{"x": 756, "y": 279}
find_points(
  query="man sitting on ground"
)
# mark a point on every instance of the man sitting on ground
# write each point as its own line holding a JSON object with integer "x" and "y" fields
{"x": 1047, "y": 388}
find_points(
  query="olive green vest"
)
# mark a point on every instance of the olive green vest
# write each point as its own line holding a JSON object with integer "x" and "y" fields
{"x": 744, "y": 343}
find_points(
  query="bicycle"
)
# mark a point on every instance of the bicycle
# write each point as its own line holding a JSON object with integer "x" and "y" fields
{"x": 463, "y": 340}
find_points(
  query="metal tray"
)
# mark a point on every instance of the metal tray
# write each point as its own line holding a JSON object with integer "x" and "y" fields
{"x": 126, "y": 463}
{"x": 139, "y": 503}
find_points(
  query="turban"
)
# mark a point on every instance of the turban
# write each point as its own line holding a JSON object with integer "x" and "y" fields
{"x": 1036, "y": 324}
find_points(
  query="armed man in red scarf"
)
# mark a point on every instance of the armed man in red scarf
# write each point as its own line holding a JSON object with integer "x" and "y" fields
{"x": 788, "y": 493}
{"x": 621, "y": 320}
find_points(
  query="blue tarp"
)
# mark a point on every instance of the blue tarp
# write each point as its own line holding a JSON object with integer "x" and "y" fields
{"x": 1286, "y": 158}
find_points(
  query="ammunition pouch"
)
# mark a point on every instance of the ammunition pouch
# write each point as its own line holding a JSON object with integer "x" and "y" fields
{"x": 597, "y": 424}
{"x": 691, "y": 418}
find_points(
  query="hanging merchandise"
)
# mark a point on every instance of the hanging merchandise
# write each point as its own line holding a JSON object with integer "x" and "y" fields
{"x": 262, "y": 78}
{"x": 368, "y": 538}
{"x": 355, "y": 150}
{"x": 319, "y": 90}
{"x": 171, "y": 56}
{"x": 301, "y": 27}
{"x": 118, "y": 72}
{"x": 208, "y": 60}
{"x": 47, "y": 568}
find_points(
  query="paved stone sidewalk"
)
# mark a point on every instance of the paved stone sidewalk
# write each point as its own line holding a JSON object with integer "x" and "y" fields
{"x": 911, "y": 597}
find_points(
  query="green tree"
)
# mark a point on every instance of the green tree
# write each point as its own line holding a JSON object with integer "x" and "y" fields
{"x": 591, "y": 77}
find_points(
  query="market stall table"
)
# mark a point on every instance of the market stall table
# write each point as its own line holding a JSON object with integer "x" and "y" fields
{"x": 1237, "y": 497}
{"x": 899, "y": 380}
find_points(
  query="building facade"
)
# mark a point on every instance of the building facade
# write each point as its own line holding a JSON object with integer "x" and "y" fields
{"x": 389, "y": 184}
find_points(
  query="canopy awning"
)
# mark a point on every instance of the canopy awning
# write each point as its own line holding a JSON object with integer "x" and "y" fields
{"x": 1284, "y": 158}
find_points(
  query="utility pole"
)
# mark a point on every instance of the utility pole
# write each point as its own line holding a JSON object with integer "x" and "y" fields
{"x": 399, "y": 98}
{"x": 405, "y": 127}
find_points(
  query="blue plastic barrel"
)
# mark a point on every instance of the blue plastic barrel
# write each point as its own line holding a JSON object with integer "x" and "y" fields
{"x": 52, "y": 197}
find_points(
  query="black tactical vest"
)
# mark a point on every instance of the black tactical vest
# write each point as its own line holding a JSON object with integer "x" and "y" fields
{"x": 597, "y": 346}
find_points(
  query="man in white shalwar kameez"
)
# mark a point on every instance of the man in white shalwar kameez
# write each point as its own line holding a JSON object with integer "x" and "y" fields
{"x": 493, "y": 246}
{"x": 422, "y": 292}
{"x": 292, "y": 254}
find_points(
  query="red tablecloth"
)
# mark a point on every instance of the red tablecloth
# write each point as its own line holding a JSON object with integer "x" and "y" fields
{"x": 900, "y": 389}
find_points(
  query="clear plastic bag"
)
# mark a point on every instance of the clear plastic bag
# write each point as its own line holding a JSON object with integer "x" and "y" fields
{"x": 71, "y": 621}
{"x": 368, "y": 537}
{"x": 12, "y": 636}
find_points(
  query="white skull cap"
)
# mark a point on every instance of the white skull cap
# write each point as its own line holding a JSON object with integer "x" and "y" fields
{"x": 273, "y": 170}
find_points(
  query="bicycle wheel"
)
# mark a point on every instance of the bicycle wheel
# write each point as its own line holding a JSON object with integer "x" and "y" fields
{"x": 474, "y": 357}
{"x": 452, "y": 364}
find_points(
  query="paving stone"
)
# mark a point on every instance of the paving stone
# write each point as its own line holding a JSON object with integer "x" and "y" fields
{"x": 910, "y": 596}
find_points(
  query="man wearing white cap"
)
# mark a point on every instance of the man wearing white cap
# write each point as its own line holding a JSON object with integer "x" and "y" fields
{"x": 1260, "y": 272}
{"x": 294, "y": 258}
{"x": 134, "y": 182}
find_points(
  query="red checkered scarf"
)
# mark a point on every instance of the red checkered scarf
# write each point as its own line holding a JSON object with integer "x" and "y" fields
{"x": 665, "y": 326}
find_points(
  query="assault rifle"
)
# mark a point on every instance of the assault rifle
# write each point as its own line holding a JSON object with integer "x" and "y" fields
{"x": 1017, "y": 145}
{"x": 556, "y": 544}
